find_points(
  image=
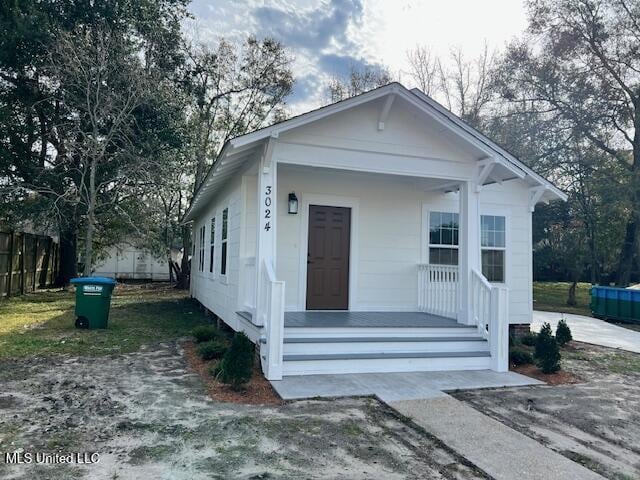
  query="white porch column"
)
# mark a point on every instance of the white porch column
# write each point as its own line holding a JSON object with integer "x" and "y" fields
{"x": 266, "y": 231}
{"x": 469, "y": 246}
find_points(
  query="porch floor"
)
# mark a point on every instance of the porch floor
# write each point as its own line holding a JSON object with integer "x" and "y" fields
{"x": 331, "y": 319}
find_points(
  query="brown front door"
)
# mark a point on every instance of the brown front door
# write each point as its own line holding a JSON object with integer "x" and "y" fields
{"x": 328, "y": 258}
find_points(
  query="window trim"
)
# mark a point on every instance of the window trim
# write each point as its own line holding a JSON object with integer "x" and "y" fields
{"x": 494, "y": 213}
{"x": 427, "y": 245}
{"x": 201, "y": 251}
{"x": 212, "y": 245}
{"x": 224, "y": 245}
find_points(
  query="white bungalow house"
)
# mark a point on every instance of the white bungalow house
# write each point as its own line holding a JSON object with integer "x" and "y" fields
{"x": 376, "y": 234}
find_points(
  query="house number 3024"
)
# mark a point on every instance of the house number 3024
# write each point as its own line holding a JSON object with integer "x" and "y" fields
{"x": 267, "y": 209}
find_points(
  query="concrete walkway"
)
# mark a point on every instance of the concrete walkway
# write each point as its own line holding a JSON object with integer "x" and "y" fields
{"x": 500, "y": 451}
{"x": 591, "y": 330}
{"x": 395, "y": 386}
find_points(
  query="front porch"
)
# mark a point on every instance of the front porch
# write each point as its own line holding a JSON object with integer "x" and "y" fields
{"x": 332, "y": 288}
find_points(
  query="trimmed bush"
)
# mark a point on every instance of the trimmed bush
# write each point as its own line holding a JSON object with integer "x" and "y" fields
{"x": 236, "y": 366}
{"x": 563, "y": 333}
{"x": 520, "y": 356}
{"x": 529, "y": 339}
{"x": 547, "y": 351}
{"x": 205, "y": 333}
{"x": 211, "y": 349}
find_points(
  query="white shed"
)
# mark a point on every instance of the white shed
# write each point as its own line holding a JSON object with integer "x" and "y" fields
{"x": 125, "y": 261}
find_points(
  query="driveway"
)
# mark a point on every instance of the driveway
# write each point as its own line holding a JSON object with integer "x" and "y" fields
{"x": 591, "y": 330}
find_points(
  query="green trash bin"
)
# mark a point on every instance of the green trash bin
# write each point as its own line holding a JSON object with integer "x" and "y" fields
{"x": 93, "y": 299}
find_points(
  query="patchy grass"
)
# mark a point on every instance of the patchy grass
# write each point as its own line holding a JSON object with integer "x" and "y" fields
{"x": 44, "y": 323}
{"x": 552, "y": 297}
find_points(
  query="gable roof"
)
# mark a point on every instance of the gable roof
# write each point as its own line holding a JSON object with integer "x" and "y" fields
{"x": 237, "y": 149}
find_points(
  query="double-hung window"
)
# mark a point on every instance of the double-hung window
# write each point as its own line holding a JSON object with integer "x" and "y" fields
{"x": 201, "y": 250}
{"x": 212, "y": 245}
{"x": 493, "y": 244}
{"x": 443, "y": 238}
{"x": 223, "y": 246}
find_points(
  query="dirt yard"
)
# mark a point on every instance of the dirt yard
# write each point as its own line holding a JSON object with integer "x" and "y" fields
{"x": 148, "y": 416}
{"x": 595, "y": 423}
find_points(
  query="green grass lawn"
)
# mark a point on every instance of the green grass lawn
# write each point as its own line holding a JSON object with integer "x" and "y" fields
{"x": 552, "y": 296}
{"x": 44, "y": 323}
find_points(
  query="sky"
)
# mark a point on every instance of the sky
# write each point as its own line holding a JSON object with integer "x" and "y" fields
{"x": 327, "y": 37}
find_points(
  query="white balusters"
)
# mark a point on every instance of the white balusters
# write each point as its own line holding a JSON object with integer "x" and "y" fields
{"x": 438, "y": 289}
{"x": 490, "y": 311}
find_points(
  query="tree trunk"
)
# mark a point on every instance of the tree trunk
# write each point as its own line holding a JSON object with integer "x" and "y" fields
{"x": 571, "y": 299}
{"x": 630, "y": 244}
{"x": 184, "y": 274}
{"x": 91, "y": 220}
{"x": 68, "y": 255}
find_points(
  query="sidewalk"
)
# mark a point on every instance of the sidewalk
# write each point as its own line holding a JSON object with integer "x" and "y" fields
{"x": 500, "y": 451}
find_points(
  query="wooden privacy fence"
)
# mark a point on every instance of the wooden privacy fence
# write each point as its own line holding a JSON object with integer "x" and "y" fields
{"x": 27, "y": 262}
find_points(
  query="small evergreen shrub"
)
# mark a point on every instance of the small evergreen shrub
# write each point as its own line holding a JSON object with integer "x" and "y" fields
{"x": 545, "y": 332}
{"x": 547, "y": 351}
{"x": 236, "y": 366}
{"x": 211, "y": 349}
{"x": 563, "y": 333}
{"x": 520, "y": 356}
{"x": 205, "y": 333}
{"x": 529, "y": 339}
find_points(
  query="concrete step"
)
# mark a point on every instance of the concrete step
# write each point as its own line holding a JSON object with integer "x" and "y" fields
{"x": 383, "y": 332}
{"x": 309, "y": 364}
{"x": 328, "y": 345}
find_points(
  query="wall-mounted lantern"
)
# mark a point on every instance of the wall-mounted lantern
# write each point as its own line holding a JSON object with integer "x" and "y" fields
{"x": 293, "y": 203}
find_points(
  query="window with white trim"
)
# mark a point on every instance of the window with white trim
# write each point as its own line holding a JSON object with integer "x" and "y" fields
{"x": 223, "y": 246}
{"x": 201, "y": 250}
{"x": 443, "y": 238}
{"x": 493, "y": 244}
{"x": 212, "y": 245}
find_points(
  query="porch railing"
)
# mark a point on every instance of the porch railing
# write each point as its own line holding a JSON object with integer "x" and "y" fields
{"x": 438, "y": 287}
{"x": 271, "y": 311}
{"x": 489, "y": 311}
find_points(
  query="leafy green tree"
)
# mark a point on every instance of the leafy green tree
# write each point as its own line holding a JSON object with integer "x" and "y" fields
{"x": 578, "y": 68}
{"x": 37, "y": 164}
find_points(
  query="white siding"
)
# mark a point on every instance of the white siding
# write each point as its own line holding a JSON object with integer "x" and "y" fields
{"x": 216, "y": 293}
{"x": 390, "y": 235}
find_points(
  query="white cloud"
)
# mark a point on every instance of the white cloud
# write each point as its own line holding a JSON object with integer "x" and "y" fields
{"x": 325, "y": 36}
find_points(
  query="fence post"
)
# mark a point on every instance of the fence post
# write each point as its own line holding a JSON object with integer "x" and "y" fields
{"x": 10, "y": 264}
{"x": 22, "y": 266}
{"x": 35, "y": 262}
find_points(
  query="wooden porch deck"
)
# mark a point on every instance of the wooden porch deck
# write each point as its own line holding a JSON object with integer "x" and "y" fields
{"x": 345, "y": 319}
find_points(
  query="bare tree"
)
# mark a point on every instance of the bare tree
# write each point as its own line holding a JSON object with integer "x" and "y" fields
{"x": 463, "y": 85}
{"x": 102, "y": 86}
{"x": 359, "y": 80}
{"x": 234, "y": 90}
{"x": 424, "y": 69}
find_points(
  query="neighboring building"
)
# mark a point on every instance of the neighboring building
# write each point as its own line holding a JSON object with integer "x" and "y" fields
{"x": 376, "y": 234}
{"x": 125, "y": 261}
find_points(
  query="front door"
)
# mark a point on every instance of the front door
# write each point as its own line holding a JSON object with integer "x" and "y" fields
{"x": 328, "y": 258}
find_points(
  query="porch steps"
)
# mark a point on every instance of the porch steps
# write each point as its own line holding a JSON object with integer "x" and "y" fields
{"x": 309, "y": 350}
{"x": 384, "y": 345}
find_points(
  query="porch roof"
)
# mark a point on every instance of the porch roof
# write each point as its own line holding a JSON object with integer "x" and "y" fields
{"x": 236, "y": 151}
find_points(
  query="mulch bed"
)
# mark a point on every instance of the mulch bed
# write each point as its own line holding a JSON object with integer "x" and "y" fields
{"x": 559, "y": 378}
{"x": 257, "y": 392}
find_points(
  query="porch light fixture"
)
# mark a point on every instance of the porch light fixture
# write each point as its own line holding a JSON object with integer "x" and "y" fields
{"x": 293, "y": 203}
